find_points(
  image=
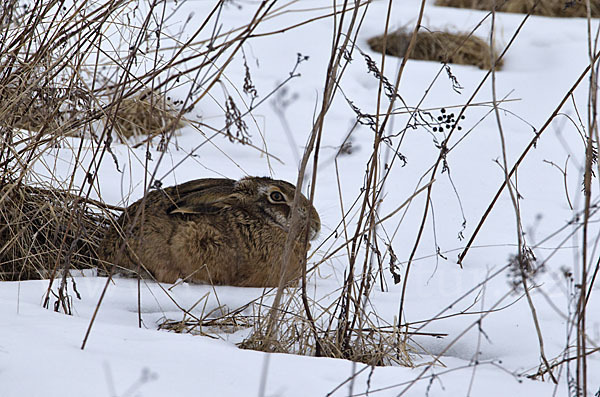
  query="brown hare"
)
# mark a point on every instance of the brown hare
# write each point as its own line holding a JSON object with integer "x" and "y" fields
{"x": 217, "y": 231}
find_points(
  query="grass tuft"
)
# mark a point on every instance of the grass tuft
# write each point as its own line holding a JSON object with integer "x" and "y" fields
{"x": 445, "y": 47}
{"x": 372, "y": 344}
{"x": 146, "y": 114}
{"x": 548, "y": 8}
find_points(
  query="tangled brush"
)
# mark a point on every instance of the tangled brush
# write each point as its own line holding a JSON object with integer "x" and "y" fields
{"x": 45, "y": 230}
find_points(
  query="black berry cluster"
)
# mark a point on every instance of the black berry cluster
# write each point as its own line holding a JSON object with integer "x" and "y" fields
{"x": 447, "y": 121}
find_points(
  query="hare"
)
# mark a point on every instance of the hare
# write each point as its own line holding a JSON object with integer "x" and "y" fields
{"x": 217, "y": 231}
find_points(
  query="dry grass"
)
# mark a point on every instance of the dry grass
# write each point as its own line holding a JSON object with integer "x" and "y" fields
{"x": 54, "y": 110}
{"x": 225, "y": 325}
{"x": 40, "y": 109}
{"x": 548, "y": 8}
{"x": 458, "y": 48}
{"x": 29, "y": 100}
{"x": 147, "y": 113}
{"x": 43, "y": 230}
{"x": 372, "y": 344}
{"x": 372, "y": 347}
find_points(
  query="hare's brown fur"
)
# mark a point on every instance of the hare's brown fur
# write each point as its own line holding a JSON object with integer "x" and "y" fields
{"x": 217, "y": 231}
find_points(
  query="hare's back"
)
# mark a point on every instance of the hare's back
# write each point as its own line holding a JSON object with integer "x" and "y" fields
{"x": 160, "y": 202}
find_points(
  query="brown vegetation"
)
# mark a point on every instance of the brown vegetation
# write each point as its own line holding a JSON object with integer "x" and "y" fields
{"x": 548, "y": 8}
{"x": 147, "y": 113}
{"x": 45, "y": 230}
{"x": 459, "y": 48}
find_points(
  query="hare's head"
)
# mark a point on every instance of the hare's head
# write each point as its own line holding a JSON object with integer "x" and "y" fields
{"x": 264, "y": 197}
{"x": 276, "y": 197}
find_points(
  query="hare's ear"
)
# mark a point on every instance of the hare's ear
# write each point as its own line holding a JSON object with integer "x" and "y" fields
{"x": 200, "y": 185}
{"x": 206, "y": 201}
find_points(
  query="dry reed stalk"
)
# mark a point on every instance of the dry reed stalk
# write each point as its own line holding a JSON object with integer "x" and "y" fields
{"x": 445, "y": 47}
{"x": 548, "y": 8}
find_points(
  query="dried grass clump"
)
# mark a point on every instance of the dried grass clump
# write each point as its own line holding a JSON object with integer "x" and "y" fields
{"x": 548, "y": 8}
{"x": 459, "y": 48}
{"x": 295, "y": 335}
{"x": 45, "y": 230}
{"x": 372, "y": 347}
{"x": 147, "y": 113}
{"x": 228, "y": 324}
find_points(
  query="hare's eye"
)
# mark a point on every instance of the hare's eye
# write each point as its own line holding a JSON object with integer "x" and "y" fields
{"x": 277, "y": 197}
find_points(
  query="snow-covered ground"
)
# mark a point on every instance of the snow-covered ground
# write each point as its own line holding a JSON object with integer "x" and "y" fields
{"x": 40, "y": 350}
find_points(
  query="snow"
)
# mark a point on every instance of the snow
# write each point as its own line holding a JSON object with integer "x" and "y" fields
{"x": 40, "y": 351}
{"x": 41, "y": 355}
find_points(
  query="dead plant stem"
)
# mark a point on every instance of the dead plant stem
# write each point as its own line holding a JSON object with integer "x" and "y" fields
{"x": 522, "y": 254}
{"x": 531, "y": 144}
